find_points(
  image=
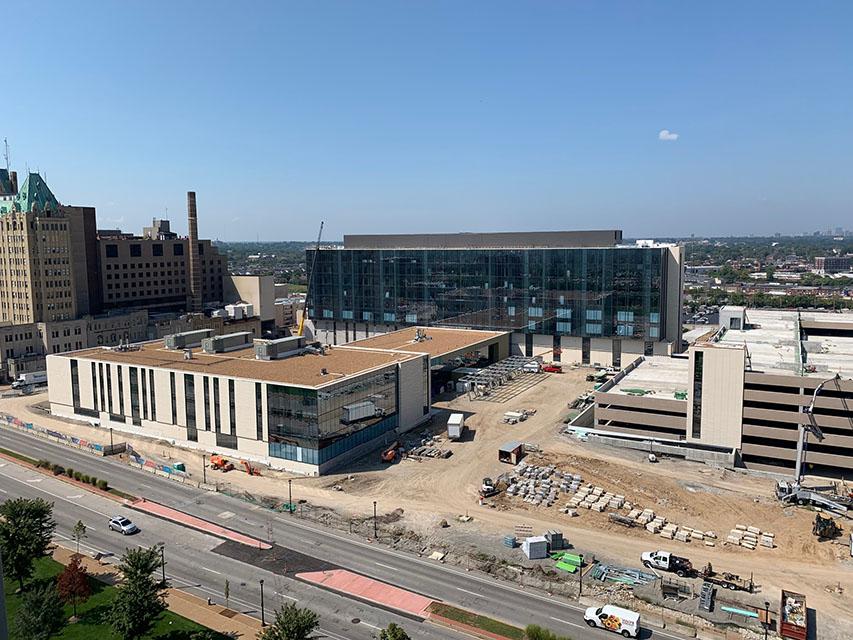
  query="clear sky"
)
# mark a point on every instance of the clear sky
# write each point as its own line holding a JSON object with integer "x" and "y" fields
{"x": 655, "y": 117}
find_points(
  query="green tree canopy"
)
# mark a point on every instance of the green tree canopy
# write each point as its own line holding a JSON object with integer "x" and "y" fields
{"x": 40, "y": 614}
{"x": 26, "y": 529}
{"x": 140, "y": 597}
{"x": 291, "y": 623}
{"x": 393, "y": 632}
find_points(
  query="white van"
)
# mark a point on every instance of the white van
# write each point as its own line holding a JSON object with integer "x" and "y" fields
{"x": 614, "y": 619}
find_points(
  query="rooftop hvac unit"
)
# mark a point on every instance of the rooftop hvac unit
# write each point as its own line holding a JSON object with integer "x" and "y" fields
{"x": 228, "y": 342}
{"x": 235, "y": 311}
{"x": 187, "y": 339}
{"x": 281, "y": 348}
{"x": 219, "y": 313}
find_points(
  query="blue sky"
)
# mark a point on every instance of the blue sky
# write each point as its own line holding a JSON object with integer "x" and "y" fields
{"x": 438, "y": 116}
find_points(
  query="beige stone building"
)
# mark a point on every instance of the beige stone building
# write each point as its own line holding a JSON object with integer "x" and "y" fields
{"x": 281, "y": 402}
{"x": 47, "y": 255}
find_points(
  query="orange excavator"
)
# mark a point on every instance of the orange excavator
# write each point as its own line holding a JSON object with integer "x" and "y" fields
{"x": 252, "y": 471}
{"x": 219, "y": 463}
{"x": 390, "y": 454}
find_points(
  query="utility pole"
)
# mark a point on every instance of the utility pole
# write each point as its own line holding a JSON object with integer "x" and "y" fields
{"x": 375, "y": 535}
{"x": 263, "y": 614}
{"x": 290, "y": 496}
{"x": 766, "y": 618}
{"x": 111, "y": 440}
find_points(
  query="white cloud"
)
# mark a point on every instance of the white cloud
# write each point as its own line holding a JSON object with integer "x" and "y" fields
{"x": 667, "y": 136}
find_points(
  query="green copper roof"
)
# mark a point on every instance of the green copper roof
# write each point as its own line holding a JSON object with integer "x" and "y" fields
{"x": 34, "y": 195}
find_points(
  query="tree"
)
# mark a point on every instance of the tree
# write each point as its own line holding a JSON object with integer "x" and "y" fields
{"x": 40, "y": 614}
{"x": 393, "y": 632}
{"x": 26, "y": 529}
{"x": 78, "y": 533}
{"x": 140, "y": 597}
{"x": 291, "y": 623}
{"x": 73, "y": 583}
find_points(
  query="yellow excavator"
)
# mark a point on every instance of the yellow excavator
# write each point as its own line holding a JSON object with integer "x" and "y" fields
{"x": 310, "y": 278}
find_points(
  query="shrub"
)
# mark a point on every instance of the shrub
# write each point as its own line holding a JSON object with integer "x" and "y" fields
{"x": 69, "y": 472}
{"x": 78, "y": 476}
{"x": 94, "y": 481}
{"x": 58, "y": 470}
{"x": 85, "y": 478}
{"x": 103, "y": 485}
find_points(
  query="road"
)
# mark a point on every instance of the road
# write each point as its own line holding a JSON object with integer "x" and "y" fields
{"x": 472, "y": 590}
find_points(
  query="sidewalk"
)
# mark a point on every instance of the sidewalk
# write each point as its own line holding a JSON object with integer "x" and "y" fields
{"x": 215, "y": 617}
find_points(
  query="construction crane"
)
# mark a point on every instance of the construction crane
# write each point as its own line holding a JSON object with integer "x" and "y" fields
{"x": 806, "y": 429}
{"x": 310, "y": 278}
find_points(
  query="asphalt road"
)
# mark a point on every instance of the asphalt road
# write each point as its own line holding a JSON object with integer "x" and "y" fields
{"x": 472, "y": 590}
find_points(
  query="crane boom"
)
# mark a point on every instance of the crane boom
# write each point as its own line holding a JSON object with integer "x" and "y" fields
{"x": 310, "y": 278}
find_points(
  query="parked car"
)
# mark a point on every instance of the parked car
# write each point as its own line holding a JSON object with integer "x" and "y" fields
{"x": 124, "y": 526}
{"x": 552, "y": 368}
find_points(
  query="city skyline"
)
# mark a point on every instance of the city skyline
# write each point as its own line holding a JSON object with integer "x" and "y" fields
{"x": 663, "y": 120}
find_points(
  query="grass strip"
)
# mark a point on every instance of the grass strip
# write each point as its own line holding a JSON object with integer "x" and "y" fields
{"x": 477, "y": 621}
{"x": 18, "y": 456}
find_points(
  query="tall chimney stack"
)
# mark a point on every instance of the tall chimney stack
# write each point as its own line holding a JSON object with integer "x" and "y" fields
{"x": 195, "y": 264}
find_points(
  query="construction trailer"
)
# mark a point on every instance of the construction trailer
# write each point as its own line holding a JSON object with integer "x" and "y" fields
{"x": 455, "y": 426}
{"x": 511, "y": 452}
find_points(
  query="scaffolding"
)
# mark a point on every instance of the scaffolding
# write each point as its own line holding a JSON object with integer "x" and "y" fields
{"x": 495, "y": 375}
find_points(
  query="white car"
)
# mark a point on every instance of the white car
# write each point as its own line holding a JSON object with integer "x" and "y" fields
{"x": 614, "y": 619}
{"x": 124, "y": 526}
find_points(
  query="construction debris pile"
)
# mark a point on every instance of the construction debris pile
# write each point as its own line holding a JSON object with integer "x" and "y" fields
{"x": 427, "y": 446}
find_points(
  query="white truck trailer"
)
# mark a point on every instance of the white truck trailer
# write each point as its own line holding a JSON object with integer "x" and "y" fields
{"x": 26, "y": 379}
{"x": 455, "y": 426}
{"x": 358, "y": 411}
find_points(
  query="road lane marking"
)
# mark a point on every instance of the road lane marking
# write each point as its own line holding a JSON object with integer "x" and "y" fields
{"x": 76, "y": 496}
{"x": 466, "y": 591}
{"x": 212, "y": 571}
{"x": 367, "y": 624}
{"x": 56, "y": 495}
{"x": 284, "y": 595}
{"x": 572, "y": 624}
{"x": 3, "y": 491}
{"x": 31, "y": 480}
{"x": 385, "y": 566}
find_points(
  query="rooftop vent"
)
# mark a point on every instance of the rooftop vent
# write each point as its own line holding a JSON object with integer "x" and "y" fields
{"x": 228, "y": 342}
{"x": 187, "y": 339}
{"x": 280, "y": 348}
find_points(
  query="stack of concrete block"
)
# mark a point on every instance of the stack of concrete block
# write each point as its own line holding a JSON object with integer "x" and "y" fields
{"x": 653, "y": 527}
{"x": 616, "y": 502}
{"x": 668, "y": 531}
{"x": 646, "y": 516}
{"x": 767, "y": 539}
{"x": 734, "y": 536}
{"x": 682, "y": 535}
{"x": 697, "y": 535}
{"x": 711, "y": 534}
{"x": 634, "y": 514}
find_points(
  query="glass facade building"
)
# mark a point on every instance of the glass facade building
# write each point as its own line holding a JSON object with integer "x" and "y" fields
{"x": 618, "y": 292}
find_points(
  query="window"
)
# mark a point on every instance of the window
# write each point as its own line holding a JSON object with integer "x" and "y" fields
{"x": 593, "y": 328}
{"x": 585, "y": 349}
{"x": 94, "y": 388}
{"x": 625, "y": 330}
{"x": 510, "y": 310}
{"x": 157, "y": 249}
{"x": 562, "y": 312}
{"x": 259, "y": 411}
{"x": 177, "y": 249}
{"x": 189, "y": 406}
{"x": 346, "y": 315}
{"x": 648, "y": 348}
{"x": 134, "y": 396}
{"x": 101, "y": 379}
{"x": 625, "y": 316}
{"x": 616, "y": 353}
{"x": 389, "y": 317}
{"x": 136, "y": 251}
{"x": 654, "y": 317}
{"x": 232, "y": 405}
{"x": 174, "y": 397}
{"x": 411, "y": 318}
{"x": 206, "y": 403}
{"x": 367, "y": 315}
{"x": 654, "y": 332}
{"x": 110, "y": 388}
{"x": 564, "y": 327}
{"x": 144, "y": 394}
{"x": 698, "y": 364}
{"x": 120, "y": 391}
{"x": 153, "y": 395}
{"x": 593, "y": 314}
{"x": 534, "y": 312}
{"x": 217, "y": 415}
{"x": 75, "y": 385}
{"x": 111, "y": 250}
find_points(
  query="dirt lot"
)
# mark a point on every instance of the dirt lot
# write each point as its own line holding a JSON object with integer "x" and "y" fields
{"x": 431, "y": 490}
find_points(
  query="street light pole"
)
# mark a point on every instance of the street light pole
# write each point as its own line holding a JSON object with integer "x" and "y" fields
{"x": 111, "y": 440}
{"x": 766, "y": 618}
{"x": 263, "y": 614}
{"x": 374, "y": 521}
{"x": 290, "y": 496}
{"x": 580, "y": 579}
{"x": 204, "y": 468}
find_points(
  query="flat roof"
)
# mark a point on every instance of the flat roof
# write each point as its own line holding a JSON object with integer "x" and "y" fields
{"x": 440, "y": 340}
{"x": 772, "y": 338}
{"x": 661, "y": 376}
{"x": 502, "y": 240}
{"x": 302, "y": 370}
